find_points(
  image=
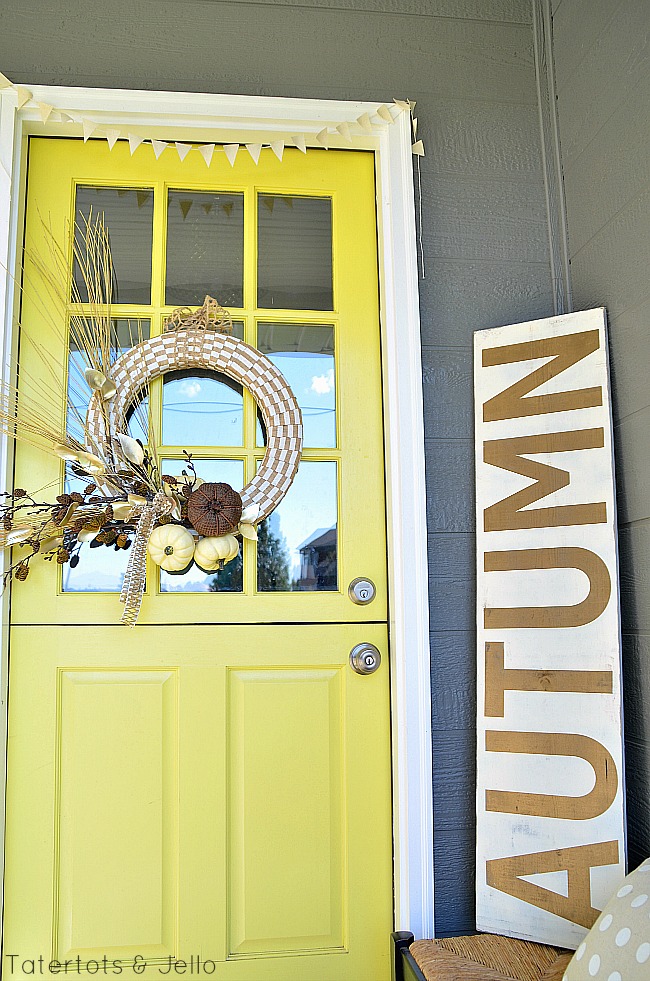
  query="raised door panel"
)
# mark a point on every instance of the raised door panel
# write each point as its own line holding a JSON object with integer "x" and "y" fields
{"x": 117, "y": 802}
{"x": 286, "y": 809}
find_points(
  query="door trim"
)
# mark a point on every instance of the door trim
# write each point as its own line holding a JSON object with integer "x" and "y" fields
{"x": 211, "y": 118}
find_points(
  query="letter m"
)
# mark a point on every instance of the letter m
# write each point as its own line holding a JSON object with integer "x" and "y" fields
{"x": 564, "y": 351}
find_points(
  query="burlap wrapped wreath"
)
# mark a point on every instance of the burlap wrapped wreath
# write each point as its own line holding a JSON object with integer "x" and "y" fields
{"x": 199, "y": 341}
{"x": 206, "y": 349}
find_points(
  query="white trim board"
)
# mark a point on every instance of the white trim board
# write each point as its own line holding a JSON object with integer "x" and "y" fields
{"x": 209, "y": 118}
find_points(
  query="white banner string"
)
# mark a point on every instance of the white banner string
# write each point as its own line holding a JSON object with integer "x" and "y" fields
{"x": 368, "y": 123}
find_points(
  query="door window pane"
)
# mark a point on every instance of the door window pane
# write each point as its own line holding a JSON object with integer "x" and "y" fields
{"x": 124, "y": 335}
{"x": 298, "y": 544}
{"x": 128, "y": 217}
{"x": 294, "y": 268}
{"x": 305, "y": 356}
{"x": 100, "y": 569}
{"x": 205, "y": 248}
{"x": 202, "y": 408}
{"x": 230, "y": 578}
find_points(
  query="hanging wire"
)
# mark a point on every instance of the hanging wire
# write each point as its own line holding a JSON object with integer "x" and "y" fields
{"x": 419, "y": 220}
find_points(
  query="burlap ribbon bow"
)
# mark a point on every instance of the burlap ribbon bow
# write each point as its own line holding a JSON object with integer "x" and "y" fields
{"x": 134, "y": 579}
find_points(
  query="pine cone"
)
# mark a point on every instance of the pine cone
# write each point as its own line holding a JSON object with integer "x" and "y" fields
{"x": 22, "y": 572}
{"x": 18, "y": 493}
{"x": 93, "y": 524}
{"x": 164, "y": 519}
{"x": 64, "y": 499}
{"x": 121, "y": 540}
{"x": 35, "y": 544}
{"x": 108, "y": 511}
{"x": 77, "y": 497}
{"x": 62, "y": 556}
{"x": 7, "y": 524}
{"x": 90, "y": 488}
{"x": 166, "y": 479}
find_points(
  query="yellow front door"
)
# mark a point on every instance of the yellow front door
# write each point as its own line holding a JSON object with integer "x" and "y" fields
{"x": 208, "y": 794}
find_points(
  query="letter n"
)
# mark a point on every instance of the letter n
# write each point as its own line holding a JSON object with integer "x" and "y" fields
{"x": 564, "y": 352}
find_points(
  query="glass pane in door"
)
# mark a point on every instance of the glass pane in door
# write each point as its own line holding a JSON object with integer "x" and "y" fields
{"x": 304, "y": 353}
{"x": 128, "y": 217}
{"x": 201, "y": 408}
{"x": 297, "y": 548}
{"x": 205, "y": 248}
{"x": 125, "y": 333}
{"x": 230, "y": 578}
{"x": 294, "y": 263}
{"x": 100, "y": 569}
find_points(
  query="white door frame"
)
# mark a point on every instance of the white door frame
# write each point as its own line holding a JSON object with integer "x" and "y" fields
{"x": 210, "y": 118}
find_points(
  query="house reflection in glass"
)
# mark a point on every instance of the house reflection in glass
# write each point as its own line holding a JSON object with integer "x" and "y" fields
{"x": 318, "y": 561}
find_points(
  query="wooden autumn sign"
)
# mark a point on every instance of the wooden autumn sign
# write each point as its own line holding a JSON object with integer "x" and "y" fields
{"x": 550, "y": 795}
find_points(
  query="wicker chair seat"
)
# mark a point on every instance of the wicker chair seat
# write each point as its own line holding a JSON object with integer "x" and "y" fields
{"x": 488, "y": 957}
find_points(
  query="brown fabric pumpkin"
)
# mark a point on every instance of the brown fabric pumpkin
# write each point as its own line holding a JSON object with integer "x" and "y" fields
{"x": 214, "y": 509}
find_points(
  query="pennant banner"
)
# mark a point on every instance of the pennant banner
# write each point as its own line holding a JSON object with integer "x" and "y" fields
{"x": 364, "y": 123}
{"x": 231, "y": 150}
{"x": 206, "y": 152}
{"x": 346, "y": 130}
{"x": 134, "y": 142}
{"x": 88, "y": 128}
{"x": 384, "y": 113}
{"x": 24, "y": 95}
{"x": 278, "y": 149}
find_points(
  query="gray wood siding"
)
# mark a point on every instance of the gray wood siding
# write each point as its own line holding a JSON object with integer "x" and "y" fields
{"x": 602, "y": 59}
{"x": 469, "y": 64}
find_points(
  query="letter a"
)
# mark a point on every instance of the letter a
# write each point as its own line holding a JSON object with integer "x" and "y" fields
{"x": 505, "y": 874}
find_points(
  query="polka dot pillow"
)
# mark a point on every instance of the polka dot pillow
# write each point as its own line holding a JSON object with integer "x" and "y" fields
{"x": 617, "y": 948}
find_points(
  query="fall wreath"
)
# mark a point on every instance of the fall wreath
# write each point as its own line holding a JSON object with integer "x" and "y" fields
{"x": 127, "y": 503}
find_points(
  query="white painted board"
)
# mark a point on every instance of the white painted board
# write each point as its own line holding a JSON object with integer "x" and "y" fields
{"x": 550, "y": 793}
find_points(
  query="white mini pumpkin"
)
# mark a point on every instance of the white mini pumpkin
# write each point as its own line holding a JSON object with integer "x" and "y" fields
{"x": 171, "y": 547}
{"x": 213, "y": 553}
